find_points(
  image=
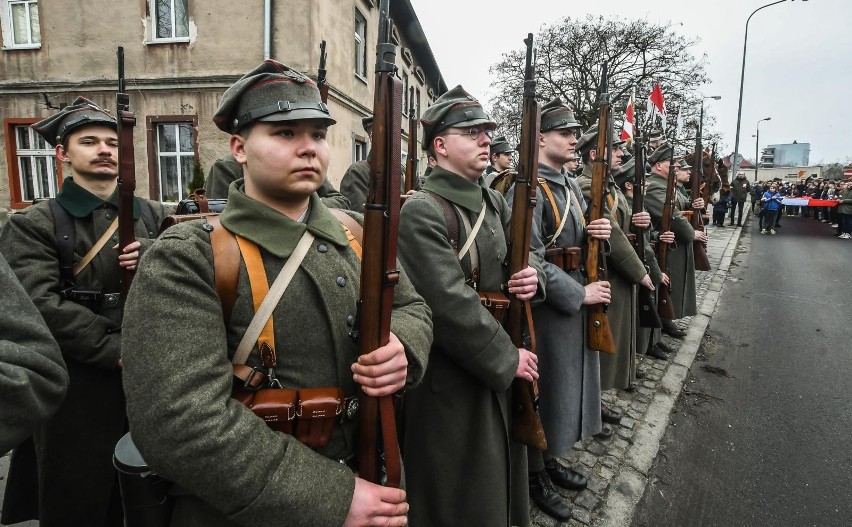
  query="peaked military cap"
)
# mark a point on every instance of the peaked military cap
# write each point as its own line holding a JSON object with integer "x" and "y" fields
{"x": 367, "y": 123}
{"x": 663, "y": 152}
{"x": 681, "y": 163}
{"x": 556, "y": 115}
{"x": 82, "y": 112}
{"x": 625, "y": 173}
{"x": 270, "y": 92}
{"x": 455, "y": 108}
{"x": 654, "y": 135}
{"x": 500, "y": 145}
{"x": 587, "y": 141}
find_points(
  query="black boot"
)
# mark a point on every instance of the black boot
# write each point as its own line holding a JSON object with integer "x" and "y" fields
{"x": 670, "y": 329}
{"x": 657, "y": 353}
{"x": 545, "y": 496}
{"x": 564, "y": 476}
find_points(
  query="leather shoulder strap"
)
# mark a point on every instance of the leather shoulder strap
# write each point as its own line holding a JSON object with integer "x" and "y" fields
{"x": 226, "y": 264}
{"x": 354, "y": 230}
{"x": 66, "y": 237}
{"x": 450, "y": 219}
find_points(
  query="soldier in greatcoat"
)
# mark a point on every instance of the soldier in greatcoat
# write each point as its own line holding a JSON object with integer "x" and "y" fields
{"x": 569, "y": 382}
{"x": 457, "y": 449}
{"x": 681, "y": 262}
{"x": 500, "y": 153}
{"x": 625, "y": 271}
{"x": 228, "y": 467}
{"x": 76, "y": 445}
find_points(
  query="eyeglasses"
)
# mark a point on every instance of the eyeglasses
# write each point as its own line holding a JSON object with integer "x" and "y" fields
{"x": 472, "y": 133}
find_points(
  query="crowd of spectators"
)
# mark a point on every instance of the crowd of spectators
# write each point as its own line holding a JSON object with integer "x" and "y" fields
{"x": 767, "y": 199}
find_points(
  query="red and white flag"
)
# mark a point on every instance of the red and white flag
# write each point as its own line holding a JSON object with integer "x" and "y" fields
{"x": 656, "y": 106}
{"x": 629, "y": 119}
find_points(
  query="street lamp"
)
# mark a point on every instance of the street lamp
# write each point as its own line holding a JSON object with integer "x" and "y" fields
{"x": 701, "y": 118}
{"x": 734, "y": 160}
{"x": 756, "y": 143}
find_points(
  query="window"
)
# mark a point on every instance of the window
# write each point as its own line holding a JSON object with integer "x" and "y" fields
{"x": 21, "y": 28}
{"x": 359, "y": 148}
{"x": 33, "y": 171}
{"x": 405, "y": 98}
{"x": 417, "y": 101}
{"x": 169, "y": 20}
{"x": 172, "y": 146}
{"x": 360, "y": 45}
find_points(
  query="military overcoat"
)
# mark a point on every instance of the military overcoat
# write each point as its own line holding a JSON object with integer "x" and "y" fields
{"x": 681, "y": 258}
{"x": 457, "y": 451}
{"x": 569, "y": 382}
{"x": 356, "y": 183}
{"x": 229, "y": 468}
{"x": 78, "y": 442}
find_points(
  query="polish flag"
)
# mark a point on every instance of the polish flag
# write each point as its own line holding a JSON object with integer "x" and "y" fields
{"x": 656, "y": 106}
{"x": 629, "y": 119}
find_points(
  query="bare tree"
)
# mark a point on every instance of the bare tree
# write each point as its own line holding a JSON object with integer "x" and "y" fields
{"x": 569, "y": 58}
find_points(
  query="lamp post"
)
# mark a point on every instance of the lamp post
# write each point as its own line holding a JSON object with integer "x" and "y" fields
{"x": 756, "y": 147}
{"x": 734, "y": 160}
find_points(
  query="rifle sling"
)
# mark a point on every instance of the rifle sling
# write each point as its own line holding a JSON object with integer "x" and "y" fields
{"x": 560, "y": 222}
{"x": 96, "y": 248}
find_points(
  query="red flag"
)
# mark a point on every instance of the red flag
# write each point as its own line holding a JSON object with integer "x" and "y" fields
{"x": 657, "y": 106}
{"x": 629, "y": 119}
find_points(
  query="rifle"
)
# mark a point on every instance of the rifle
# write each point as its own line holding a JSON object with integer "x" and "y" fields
{"x": 125, "y": 121}
{"x": 526, "y": 423}
{"x": 599, "y": 331}
{"x": 665, "y": 306}
{"x": 411, "y": 162}
{"x": 648, "y": 317}
{"x": 379, "y": 273}
{"x": 322, "y": 83}
{"x": 702, "y": 263}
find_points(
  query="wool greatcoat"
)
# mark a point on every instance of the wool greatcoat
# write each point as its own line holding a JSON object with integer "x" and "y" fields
{"x": 680, "y": 257}
{"x": 229, "y": 468}
{"x": 356, "y": 183}
{"x": 457, "y": 451}
{"x": 624, "y": 272}
{"x": 77, "y": 444}
{"x": 649, "y": 336}
{"x": 569, "y": 372}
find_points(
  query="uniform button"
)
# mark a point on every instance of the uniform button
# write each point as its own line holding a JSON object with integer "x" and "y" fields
{"x": 322, "y": 248}
{"x": 115, "y": 239}
{"x": 206, "y": 227}
{"x": 341, "y": 281}
{"x": 350, "y": 321}
{"x": 108, "y": 216}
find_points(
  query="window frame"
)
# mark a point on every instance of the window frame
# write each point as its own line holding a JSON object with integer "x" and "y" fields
{"x": 152, "y": 122}
{"x": 7, "y": 25}
{"x": 152, "y": 21}
{"x": 359, "y": 141}
{"x": 360, "y": 45}
{"x": 13, "y": 172}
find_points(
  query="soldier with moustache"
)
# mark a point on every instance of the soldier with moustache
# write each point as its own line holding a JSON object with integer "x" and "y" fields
{"x": 85, "y": 311}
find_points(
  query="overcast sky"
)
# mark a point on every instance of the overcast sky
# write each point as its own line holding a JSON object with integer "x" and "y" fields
{"x": 798, "y": 67}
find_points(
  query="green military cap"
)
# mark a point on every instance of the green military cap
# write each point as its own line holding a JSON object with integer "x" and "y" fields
{"x": 625, "y": 173}
{"x": 683, "y": 164}
{"x": 367, "y": 123}
{"x": 455, "y": 108}
{"x": 270, "y": 92}
{"x": 500, "y": 145}
{"x": 82, "y": 112}
{"x": 587, "y": 141}
{"x": 655, "y": 134}
{"x": 555, "y": 115}
{"x": 663, "y": 152}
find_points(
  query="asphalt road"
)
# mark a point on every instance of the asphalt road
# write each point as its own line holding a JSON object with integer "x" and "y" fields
{"x": 762, "y": 434}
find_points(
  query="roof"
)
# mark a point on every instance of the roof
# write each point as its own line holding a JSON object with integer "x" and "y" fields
{"x": 403, "y": 15}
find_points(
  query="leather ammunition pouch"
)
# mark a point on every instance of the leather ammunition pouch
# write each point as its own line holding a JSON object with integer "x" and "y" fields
{"x": 496, "y": 303}
{"x": 566, "y": 258}
{"x": 195, "y": 208}
{"x": 631, "y": 237}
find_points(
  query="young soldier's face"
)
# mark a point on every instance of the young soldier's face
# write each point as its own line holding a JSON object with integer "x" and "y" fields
{"x": 284, "y": 160}
{"x": 558, "y": 146}
{"x": 615, "y": 158}
{"x": 682, "y": 175}
{"x": 92, "y": 152}
{"x": 502, "y": 161}
{"x": 463, "y": 150}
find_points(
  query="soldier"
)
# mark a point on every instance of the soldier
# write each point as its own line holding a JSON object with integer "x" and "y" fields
{"x": 457, "y": 448}
{"x": 569, "y": 383}
{"x": 226, "y": 170}
{"x": 84, "y": 308}
{"x": 501, "y": 160}
{"x": 229, "y": 466}
{"x": 681, "y": 258}
{"x": 740, "y": 190}
{"x": 31, "y": 365}
{"x": 625, "y": 271}
{"x": 655, "y": 137}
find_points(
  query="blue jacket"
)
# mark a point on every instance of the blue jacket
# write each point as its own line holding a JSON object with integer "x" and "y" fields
{"x": 771, "y": 201}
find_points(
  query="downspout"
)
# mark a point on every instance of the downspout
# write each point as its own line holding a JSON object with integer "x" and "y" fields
{"x": 267, "y": 29}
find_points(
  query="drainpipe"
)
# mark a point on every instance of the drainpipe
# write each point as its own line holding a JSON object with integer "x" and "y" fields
{"x": 267, "y": 29}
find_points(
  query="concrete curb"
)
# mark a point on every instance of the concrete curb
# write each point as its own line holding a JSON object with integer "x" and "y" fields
{"x": 630, "y": 483}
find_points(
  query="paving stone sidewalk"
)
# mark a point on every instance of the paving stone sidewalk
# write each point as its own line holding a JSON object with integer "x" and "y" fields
{"x": 617, "y": 468}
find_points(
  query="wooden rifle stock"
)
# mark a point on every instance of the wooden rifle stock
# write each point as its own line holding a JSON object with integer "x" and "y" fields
{"x": 411, "y": 161}
{"x": 665, "y": 306}
{"x": 125, "y": 121}
{"x": 599, "y": 332}
{"x": 322, "y": 82}
{"x": 699, "y": 249}
{"x": 646, "y": 303}
{"x": 379, "y": 273}
{"x": 526, "y": 423}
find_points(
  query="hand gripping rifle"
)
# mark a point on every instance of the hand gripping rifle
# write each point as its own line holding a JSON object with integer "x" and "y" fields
{"x": 379, "y": 273}
{"x": 665, "y": 306}
{"x": 599, "y": 331}
{"x": 322, "y": 82}
{"x": 648, "y": 317}
{"x": 699, "y": 249}
{"x": 126, "y": 120}
{"x": 526, "y": 424}
{"x": 411, "y": 161}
